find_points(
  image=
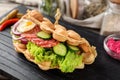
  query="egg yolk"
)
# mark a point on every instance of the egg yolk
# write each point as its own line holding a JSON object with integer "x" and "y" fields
{"x": 28, "y": 23}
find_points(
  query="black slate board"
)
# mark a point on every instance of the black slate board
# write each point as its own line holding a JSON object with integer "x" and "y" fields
{"x": 104, "y": 68}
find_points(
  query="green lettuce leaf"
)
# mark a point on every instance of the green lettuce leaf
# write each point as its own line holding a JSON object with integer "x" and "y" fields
{"x": 42, "y": 54}
{"x": 35, "y": 50}
{"x": 66, "y": 63}
{"x": 72, "y": 60}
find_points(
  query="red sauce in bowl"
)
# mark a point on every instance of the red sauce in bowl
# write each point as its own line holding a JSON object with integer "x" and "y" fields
{"x": 114, "y": 45}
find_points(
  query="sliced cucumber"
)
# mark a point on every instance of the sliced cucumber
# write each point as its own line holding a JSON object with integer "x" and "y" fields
{"x": 43, "y": 35}
{"x": 60, "y": 49}
{"x": 74, "y": 48}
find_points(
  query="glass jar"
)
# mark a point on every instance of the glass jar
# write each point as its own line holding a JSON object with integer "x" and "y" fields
{"x": 48, "y": 7}
{"x": 111, "y": 19}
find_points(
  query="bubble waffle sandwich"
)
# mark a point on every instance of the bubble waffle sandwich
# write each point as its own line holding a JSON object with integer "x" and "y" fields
{"x": 51, "y": 46}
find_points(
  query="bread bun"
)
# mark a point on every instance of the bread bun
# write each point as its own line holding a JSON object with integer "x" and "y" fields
{"x": 36, "y": 14}
{"x": 88, "y": 58}
{"x": 57, "y": 26}
{"x": 47, "y": 26}
{"x": 72, "y": 34}
{"x": 60, "y": 35}
{"x": 73, "y": 42}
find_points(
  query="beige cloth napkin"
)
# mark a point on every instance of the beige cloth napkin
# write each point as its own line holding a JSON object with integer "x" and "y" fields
{"x": 93, "y": 22}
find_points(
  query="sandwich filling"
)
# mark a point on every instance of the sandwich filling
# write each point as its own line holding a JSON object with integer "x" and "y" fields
{"x": 51, "y": 44}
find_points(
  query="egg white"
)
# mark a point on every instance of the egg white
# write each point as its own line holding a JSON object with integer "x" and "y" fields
{"x": 24, "y": 27}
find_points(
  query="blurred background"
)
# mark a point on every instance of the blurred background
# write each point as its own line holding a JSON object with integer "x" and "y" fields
{"x": 83, "y": 13}
{"x": 6, "y": 5}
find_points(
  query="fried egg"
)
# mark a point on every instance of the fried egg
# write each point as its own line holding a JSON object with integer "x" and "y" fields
{"x": 25, "y": 25}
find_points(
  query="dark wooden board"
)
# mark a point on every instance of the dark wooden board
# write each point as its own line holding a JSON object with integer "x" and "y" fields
{"x": 104, "y": 67}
